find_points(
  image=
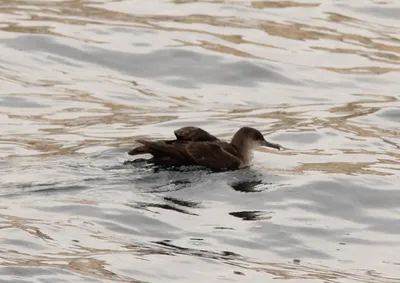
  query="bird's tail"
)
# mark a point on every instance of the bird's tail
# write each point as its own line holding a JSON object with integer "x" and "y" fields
{"x": 139, "y": 150}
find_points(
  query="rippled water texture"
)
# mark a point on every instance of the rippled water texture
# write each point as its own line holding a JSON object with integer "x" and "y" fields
{"x": 81, "y": 80}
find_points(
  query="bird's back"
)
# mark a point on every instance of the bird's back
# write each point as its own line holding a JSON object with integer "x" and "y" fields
{"x": 193, "y": 146}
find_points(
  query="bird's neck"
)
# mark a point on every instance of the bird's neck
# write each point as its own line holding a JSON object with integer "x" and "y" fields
{"x": 239, "y": 142}
{"x": 244, "y": 150}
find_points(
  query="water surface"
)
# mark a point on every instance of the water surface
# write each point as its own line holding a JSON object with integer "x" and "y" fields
{"x": 80, "y": 81}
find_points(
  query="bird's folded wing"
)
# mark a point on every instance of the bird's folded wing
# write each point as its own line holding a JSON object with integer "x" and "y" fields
{"x": 212, "y": 155}
{"x": 194, "y": 134}
{"x": 160, "y": 148}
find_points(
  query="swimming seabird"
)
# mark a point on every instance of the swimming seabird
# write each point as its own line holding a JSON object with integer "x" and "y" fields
{"x": 195, "y": 146}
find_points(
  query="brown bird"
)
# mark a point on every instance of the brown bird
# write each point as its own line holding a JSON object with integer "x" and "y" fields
{"x": 195, "y": 146}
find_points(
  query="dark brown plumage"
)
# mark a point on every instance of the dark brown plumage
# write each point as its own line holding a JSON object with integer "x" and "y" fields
{"x": 194, "y": 146}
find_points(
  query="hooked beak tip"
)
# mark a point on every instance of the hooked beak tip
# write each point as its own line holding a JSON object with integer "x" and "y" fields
{"x": 273, "y": 145}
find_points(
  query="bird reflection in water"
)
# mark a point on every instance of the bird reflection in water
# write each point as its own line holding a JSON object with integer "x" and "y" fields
{"x": 252, "y": 215}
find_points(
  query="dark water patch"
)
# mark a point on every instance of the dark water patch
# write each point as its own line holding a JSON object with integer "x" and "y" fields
{"x": 20, "y": 102}
{"x": 381, "y": 12}
{"x": 162, "y": 165}
{"x": 165, "y": 206}
{"x": 63, "y": 189}
{"x": 30, "y": 189}
{"x": 251, "y": 215}
{"x": 18, "y": 243}
{"x": 391, "y": 114}
{"x": 222, "y": 255}
{"x": 196, "y": 239}
{"x": 250, "y": 186}
{"x": 180, "y": 202}
{"x": 155, "y": 179}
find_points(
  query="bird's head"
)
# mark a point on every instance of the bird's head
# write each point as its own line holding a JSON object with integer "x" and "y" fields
{"x": 251, "y": 138}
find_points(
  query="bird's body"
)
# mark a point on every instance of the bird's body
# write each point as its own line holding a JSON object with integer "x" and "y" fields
{"x": 194, "y": 146}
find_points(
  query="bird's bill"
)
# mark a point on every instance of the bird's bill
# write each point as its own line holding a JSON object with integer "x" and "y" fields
{"x": 270, "y": 144}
